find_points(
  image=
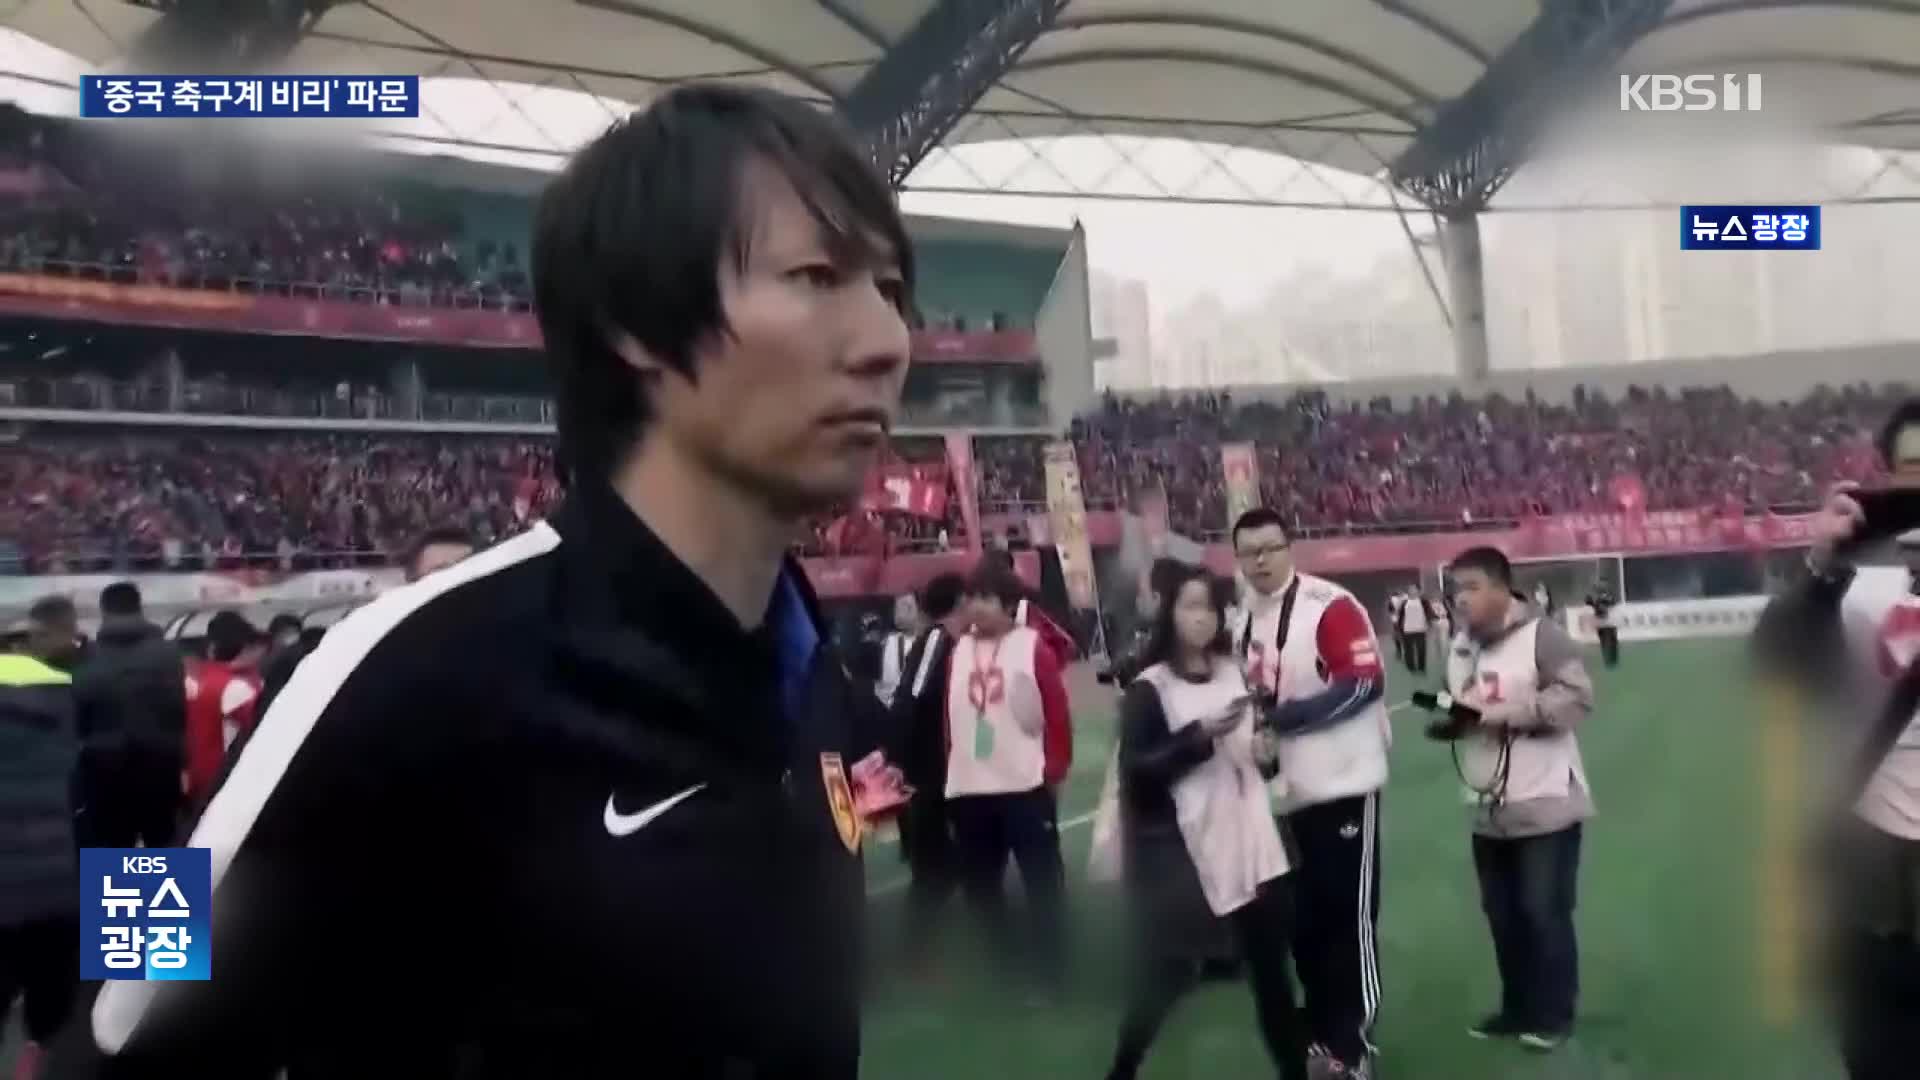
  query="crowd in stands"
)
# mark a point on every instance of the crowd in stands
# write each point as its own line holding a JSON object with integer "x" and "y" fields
{"x": 81, "y": 204}
{"x": 76, "y": 202}
{"x": 137, "y": 501}
{"x": 1457, "y": 460}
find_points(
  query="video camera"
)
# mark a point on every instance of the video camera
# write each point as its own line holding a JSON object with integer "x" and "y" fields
{"x": 1454, "y": 720}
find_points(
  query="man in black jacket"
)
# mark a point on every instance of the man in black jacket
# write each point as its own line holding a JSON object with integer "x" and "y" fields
{"x": 39, "y": 928}
{"x": 131, "y": 702}
{"x": 593, "y": 784}
{"x": 919, "y": 723}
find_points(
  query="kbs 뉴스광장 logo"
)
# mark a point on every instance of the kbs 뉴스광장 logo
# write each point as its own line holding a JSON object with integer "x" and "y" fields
{"x": 1749, "y": 228}
{"x": 145, "y": 913}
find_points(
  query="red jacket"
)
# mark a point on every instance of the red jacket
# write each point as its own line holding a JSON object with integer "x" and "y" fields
{"x": 1065, "y": 649}
{"x": 220, "y": 708}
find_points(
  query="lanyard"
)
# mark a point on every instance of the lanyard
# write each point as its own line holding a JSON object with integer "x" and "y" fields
{"x": 1286, "y": 621}
{"x": 981, "y": 683}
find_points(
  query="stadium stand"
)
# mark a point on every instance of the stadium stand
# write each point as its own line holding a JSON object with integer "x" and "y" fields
{"x": 80, "y": 502}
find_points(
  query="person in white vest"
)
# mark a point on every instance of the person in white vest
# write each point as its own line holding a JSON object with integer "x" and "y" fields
{"x": 1413, "y": 629}
{"x": 1395, "y": 600}
{"x": 1843, "y": 644}
{"x": 895, "y": 646}
{"x": 1531, "y": 799}
{"x": 1441, "y": 621}
{"x": 1310, "y": 652}
{"x": 1199, "y": 841}
{"x": 1009, "y": 746}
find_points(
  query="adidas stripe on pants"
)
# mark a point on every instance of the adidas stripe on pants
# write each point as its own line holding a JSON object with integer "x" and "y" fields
{"x": 1337, "y": 908}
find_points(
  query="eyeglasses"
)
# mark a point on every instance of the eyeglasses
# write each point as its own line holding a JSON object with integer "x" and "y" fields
{"x": 1256, "y": 554}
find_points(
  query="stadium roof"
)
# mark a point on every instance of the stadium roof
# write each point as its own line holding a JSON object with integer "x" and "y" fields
{"x": 1348, "y": 82}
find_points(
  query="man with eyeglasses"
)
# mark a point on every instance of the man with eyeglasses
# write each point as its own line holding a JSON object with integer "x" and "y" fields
{"x": 1311, "y": 653}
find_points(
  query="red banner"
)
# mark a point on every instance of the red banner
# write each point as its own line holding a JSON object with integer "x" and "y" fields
{"x": 960, "y": 462}
{"x": 919, "y": 490}
{"x": 218, "y": 309}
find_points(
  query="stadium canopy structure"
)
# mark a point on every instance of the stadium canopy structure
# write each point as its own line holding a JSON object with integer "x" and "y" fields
{"x": 1439, "y": 101}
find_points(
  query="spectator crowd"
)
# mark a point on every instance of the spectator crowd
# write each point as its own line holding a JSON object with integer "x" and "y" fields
{"x": 1436, "y": 462}
{"x": 82, "y": 204}
{"x": 73, "y": 502}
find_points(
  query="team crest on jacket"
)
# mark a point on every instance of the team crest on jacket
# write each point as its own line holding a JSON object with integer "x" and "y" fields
{"x": 846, "y": 820}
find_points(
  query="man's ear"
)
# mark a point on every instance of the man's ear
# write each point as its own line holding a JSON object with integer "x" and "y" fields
{"x": 637, "y": 356}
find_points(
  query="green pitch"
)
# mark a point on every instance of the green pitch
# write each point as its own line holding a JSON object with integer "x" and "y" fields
{"x": 1669, "y": 976}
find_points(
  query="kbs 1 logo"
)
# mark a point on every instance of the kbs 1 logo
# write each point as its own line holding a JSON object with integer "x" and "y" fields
{"x": 144, "y": 913}
{"x": 1690, "y": 93}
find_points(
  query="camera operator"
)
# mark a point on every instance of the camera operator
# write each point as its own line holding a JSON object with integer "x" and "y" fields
{"x": 1840, "y": 646}
{"x": 1518, "y": 693}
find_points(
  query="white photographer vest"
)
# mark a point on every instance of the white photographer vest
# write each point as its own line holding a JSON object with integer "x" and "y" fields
{"x": 1413, "y": 616}
{"x": 1222, "y": 806}
{"x": 1507, "y": 673}
{"x": 1347, "y": 759}
{"x": 995, "y": 721}
{"x": 1880, "y": 600}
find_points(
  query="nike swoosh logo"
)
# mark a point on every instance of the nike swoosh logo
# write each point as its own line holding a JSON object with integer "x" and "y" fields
{"x": 619, "y": 824}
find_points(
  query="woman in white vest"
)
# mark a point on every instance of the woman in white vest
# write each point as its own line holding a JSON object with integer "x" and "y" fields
{"x": 1310, "y": 651}
{"x": 1524, "y": 676}
{"x": 1199, "y": 839}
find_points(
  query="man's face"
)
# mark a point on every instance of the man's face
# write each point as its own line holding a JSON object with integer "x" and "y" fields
{"x": 906, "y": 614}
{"x": 436, "y": 557}
{"x": 1482, "y": 600}
{"x": 1266, "y": 556}
{"x": 794, "y": 398}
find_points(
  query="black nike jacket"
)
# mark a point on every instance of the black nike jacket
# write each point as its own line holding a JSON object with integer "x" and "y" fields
{"x": 550, "y": 813}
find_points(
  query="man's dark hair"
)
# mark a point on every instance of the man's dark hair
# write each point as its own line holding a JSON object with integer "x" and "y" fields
{"x": 434, "y": 537}
{"x": 1905, "y": 415}
{"x": 283, "y": 621}
{"x": 941, "y": 595}
{"x": 120, "y": 598}
{"x": 228, "y": 635}
{"x": 1163, "y": 643}
{"x": 991, "y": 580}
{"x": 631, "y": 237}
{"x": 1259, "y": 517}
{"x": 54, "y": 611}
{"x": 1488, "y": 560}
